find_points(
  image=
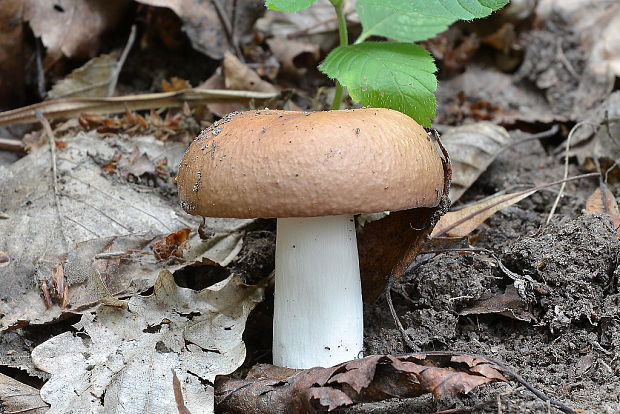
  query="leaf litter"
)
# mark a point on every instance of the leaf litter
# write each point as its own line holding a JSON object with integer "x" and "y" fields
{"x": 123, "y": 358}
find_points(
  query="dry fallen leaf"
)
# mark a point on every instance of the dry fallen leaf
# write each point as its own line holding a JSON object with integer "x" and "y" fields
{"x": 11, "y": 53}
{"x": 462, "y": 222}
{"x": 73, "y": 27}
{"x": 238, "y": 76}
{"x": 96, "y": 209}
{"x": 17, "y": 397}
{"x": 472, "y": 148}
{"x": 90, "y": 80}
{"x": 122, "y": 360}
{"x": 509, "y": 304}
{"x": 605, "y": 205}
{"x": 270, "y": 389}
{"x": 295, "y": 57}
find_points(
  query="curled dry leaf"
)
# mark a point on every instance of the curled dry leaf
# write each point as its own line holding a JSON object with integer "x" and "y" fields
{"x": 17, "y": 397}
{"x": 74, "y": 27}
{"x": 11, "y": 53}
{"x": 462, "y": 222}
{"x": 123, "y": 360}
{"x": 90, "y": 80}
{"x": 238, "y": 76}
{"x": 604, "y": 203}
{"x": 509, "y": 304}
{"x": 294, "y": 57}
{"x": 472, "y": 148}
{"x": 172, "y": 245}
{"x": 269, "y": 389}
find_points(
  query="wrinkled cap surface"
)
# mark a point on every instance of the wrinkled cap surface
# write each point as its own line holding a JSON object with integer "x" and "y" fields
{"x": 304, "y": 164}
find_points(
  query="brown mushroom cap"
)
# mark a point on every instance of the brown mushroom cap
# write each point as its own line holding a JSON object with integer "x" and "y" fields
{"x": 305, "y": 164}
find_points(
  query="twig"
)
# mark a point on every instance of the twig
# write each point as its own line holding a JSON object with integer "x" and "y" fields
{"x": 557, "y": 199}
{"x": 121, "y": 61}
{"x": 73, "y": 107}
{"x": 14, "y": 145}
{"x": 562, "y": 58}
{"x": 40, "y": 70}
{"x": 52, "y": 142}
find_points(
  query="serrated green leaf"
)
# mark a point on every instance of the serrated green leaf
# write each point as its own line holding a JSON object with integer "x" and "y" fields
{"x": 288, "y": 5}
{"x": 414, "y": 20}
{"x": 399, "y": 76}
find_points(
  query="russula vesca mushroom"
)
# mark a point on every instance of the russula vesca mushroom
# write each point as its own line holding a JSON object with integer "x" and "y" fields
{"x": 313, "y": 171}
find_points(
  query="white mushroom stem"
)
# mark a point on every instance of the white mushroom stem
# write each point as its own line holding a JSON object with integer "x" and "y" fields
{"x": 318, "y": 317}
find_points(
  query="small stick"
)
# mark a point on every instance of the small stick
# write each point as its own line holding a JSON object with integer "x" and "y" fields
{"x": 121, "y": 61}
{"x": 52, "y": 142}
{"x": 14, "y": 145}
{"x": 557, "y": 199}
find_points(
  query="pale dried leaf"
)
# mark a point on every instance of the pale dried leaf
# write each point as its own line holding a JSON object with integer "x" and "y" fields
{"x": 294, "y": 56}
{"x": 609, "y": 206}
{"x": 122, "y": 360}
{"x": 90, "y": 80}
{"x": 73, "y": 27}
{"x": 472, "y": 148}
{"x": 17, "y": 397}
{"x": 239, "y": 76}
{"x": 95, "y": 207}
{"x": 462, "y": 222}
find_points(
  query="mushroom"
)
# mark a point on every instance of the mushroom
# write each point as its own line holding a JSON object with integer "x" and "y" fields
{"x": 313, "y": 172}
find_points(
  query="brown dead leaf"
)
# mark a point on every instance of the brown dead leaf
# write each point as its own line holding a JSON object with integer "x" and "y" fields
{"x": 234, "y": 74}
{"x": 268, "y": 389}
{"x": 294, "y": 57}
{"x": 509, "y": 304}
{"x": 472, "y": 148}
{"x": 178, "y": 393}
{"x": 597, "y": 203}
{"x": 11, "y": 53}
{"x": 210, "y": 32}
{"x": 172, "y": 245}
{"x": 17, "y": 397}
{"x": 73, "y": 27}
{"x": 462, "y": 222}
{"x": 174, "y": 84}
{"x": 238, "y": 76}
{"x": 90, "y": 80}
{"x": 4, "y": 259}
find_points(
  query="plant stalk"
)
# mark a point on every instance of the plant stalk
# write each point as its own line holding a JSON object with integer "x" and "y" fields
{"x": 344, "y": 41}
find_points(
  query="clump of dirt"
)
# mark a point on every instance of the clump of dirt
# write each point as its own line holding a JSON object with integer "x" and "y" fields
{"x": 569, "y": 351}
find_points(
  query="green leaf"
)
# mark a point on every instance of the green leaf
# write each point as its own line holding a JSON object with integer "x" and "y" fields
{"x": 288, "y": 5}
{"x": 399, "y": 76}
{"x": 413, "y": 20}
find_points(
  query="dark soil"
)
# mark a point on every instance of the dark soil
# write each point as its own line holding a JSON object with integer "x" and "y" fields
{"x": 570, "y": 348}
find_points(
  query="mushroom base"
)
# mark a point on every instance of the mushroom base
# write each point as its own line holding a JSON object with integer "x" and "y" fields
{"x": 318, "y": 318}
